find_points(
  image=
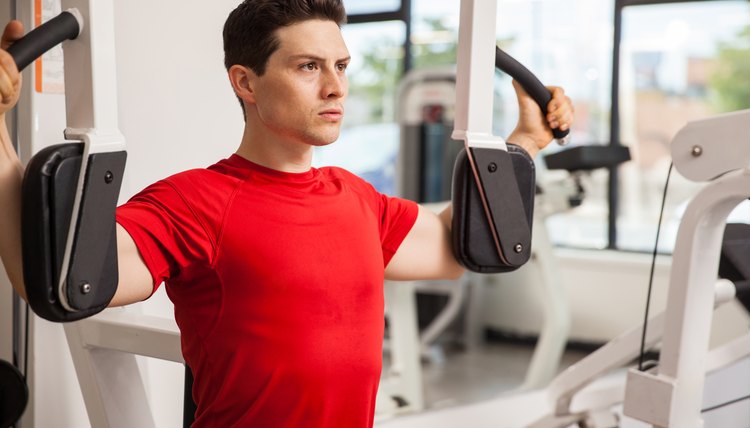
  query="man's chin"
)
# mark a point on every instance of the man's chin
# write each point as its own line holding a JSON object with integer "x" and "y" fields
{"x": 322, "y": 140}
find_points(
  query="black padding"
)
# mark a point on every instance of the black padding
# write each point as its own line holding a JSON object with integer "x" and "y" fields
{"x": 734, "y": 263}
{"x": 48, "y": 196}
{"x": 14, "y": 394}
{"x": 512, "y": 194}
{"x": 586, "y": 158}
{"x": 94, "y": 255}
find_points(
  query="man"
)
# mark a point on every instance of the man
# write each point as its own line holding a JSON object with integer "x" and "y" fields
{"x": 275, "y": 268}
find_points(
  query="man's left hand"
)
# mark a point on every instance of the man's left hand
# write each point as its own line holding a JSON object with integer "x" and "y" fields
{"x": 534, "y": 131}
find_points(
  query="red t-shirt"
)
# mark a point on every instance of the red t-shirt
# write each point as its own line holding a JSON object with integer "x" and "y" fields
{"x": 277, "y": 283}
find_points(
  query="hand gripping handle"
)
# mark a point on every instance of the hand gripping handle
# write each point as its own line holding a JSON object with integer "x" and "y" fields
{"x": 530, "y": 84}
{"x": 65, "y": 26}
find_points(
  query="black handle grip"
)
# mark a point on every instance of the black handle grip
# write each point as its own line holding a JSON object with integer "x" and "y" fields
{"x": 63, "y": 27}
{"x": 529, "y": 82}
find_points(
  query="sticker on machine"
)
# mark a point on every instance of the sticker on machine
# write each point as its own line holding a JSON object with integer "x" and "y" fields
{"x": 49, "y": 77}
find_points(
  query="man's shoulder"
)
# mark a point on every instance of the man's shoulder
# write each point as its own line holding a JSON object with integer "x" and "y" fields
{"x": 214, "y": 177}
{"x": 338, "y": 173}
{"x": 198, "y": 187}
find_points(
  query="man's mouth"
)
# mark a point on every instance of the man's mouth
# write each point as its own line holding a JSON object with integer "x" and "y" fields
{"x": 332, "y": 114}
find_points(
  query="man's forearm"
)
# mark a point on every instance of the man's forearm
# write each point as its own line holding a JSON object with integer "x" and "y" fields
{"x": 11, "y": 177}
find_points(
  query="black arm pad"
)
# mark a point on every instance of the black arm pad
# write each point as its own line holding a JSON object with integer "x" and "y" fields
{"x": 48, "y": 196}
{"x": 473, "y": 243}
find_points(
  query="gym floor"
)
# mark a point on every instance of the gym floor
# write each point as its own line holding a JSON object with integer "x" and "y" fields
{"x": 455, "y": 376}
{"x": 479, "y": 375}
{"x": 474, "y": 375}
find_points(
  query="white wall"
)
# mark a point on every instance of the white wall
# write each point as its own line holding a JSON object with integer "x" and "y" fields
{"x": 606, "y": 292}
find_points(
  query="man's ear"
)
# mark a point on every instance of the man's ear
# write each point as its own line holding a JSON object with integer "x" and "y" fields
{"x": 243, "y": 81}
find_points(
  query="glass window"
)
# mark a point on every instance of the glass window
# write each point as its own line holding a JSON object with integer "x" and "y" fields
{"x": 544, "y": 36}
{"x": 361, "y": 7}
{"x": 368, "y": 145}
{"x": 434, "y": 35}
{"x": 676, "y": 66}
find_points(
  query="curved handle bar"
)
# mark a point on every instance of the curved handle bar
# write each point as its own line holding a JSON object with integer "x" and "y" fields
{"x": 530, "y": 83}
{"x": 63, "y": 27}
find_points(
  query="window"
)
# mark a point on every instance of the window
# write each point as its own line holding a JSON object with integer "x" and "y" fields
{"x": 543, "y": 35}
{"x": 362, "y": 7}
{"x": 678, "y": 62}
{"x": 675, "y": 65}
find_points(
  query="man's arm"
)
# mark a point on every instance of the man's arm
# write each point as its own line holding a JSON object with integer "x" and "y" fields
{"x": 11, "y": 171}
{"x": 135, "y": 282}
{"x": 426, "y": 252}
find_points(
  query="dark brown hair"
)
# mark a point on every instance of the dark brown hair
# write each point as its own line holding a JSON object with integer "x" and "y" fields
{"x": 250, "y": 30}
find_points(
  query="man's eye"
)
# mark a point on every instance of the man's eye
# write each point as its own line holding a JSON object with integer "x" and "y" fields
{"x": 310, "y": 66}
{"x": 342, "y": 67}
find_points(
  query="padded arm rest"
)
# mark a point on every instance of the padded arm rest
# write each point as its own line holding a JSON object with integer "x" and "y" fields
{"x": 473, "y": 240}
{"x": 47, "y": 202}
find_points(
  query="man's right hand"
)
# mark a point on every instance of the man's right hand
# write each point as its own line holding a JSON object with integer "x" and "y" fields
{"x": 10, "y": 78}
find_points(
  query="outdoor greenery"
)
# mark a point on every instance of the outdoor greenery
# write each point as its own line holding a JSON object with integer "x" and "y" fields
{"x": 731, "y": 81}
{"x": 382, "y": 68}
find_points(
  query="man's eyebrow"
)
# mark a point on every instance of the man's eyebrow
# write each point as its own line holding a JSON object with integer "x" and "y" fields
{"x": 317, "y": 58}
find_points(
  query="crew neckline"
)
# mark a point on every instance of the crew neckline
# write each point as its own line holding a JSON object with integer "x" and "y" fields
{"x": 270, "y": 172}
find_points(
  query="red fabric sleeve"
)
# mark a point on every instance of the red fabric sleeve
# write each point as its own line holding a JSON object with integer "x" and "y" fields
{"x": 397, "y": 218}
{"x": 166, "y": 231}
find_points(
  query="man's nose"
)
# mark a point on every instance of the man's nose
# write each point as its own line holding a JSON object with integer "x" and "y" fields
{"x": 334, "y": 84}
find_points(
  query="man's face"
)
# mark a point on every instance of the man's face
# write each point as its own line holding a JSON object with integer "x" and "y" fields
{"x": 300, "y": 97}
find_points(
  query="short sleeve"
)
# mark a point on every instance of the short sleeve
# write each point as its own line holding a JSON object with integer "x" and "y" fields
{"x": 166, "y": 231}
{"x": 397, "y": 218}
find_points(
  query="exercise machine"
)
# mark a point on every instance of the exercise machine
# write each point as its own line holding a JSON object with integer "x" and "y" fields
{"x": 69, "y": 196}
{"x": 425, "y": 110}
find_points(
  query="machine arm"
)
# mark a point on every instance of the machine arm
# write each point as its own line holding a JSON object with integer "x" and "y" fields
{"x": 530, "y": 84}
{"x": 69, "y": 191}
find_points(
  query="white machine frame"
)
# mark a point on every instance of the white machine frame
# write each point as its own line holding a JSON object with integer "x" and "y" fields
{"x": 671, "y": 393}
{"x": 104, "y": 347}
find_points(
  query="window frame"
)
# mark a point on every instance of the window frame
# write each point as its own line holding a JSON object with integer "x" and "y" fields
{"x": 403, "y": 13}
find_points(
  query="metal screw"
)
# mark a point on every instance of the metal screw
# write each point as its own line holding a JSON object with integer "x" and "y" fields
{"x": 108, "y": 177}
{"x": 86, "y": 288}
{"x": 696, "y": 151}
{"x": 518, "y": 248}
{"x": 492, "y": 167}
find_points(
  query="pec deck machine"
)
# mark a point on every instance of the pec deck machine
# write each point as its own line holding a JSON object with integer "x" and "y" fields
{"x": 80, "y": 181}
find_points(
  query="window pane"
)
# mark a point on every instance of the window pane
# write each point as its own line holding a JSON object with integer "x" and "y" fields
{"x": 361, "y": 7}
{"x": 369, "y": 140}
{"x": 676, "y": 66}
{"x": 543, "y": 35}
{"x": 546, "y": 36}
{"x": 434, "y": 35}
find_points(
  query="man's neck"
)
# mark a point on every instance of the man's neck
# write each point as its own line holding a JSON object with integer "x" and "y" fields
{"x": 275, "y": 153}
